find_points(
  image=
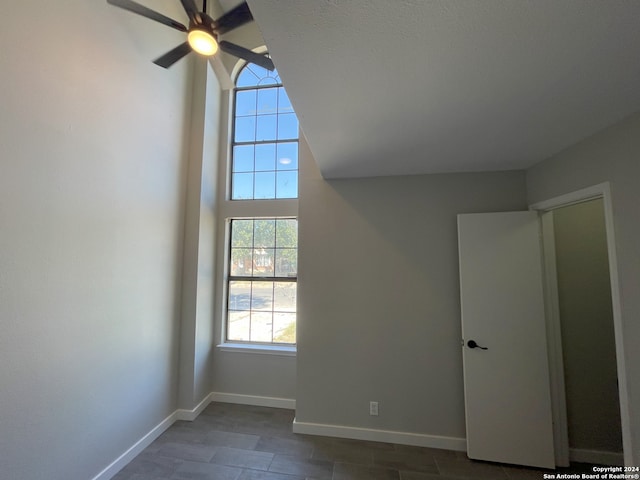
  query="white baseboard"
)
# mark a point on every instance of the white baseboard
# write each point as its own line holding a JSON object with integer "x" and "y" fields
{"x": 180, "y": 414}
{"x": 191, "y": 415}
{"x": 120, "y": 462}
{"x": 596, "y": 456}
{"x": 403, "y": 438}
{"x": 288, "y": 403}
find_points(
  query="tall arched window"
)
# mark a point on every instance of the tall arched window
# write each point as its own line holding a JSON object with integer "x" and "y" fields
{"x": 262, "y": 253}
{"x": 265, "y": 138}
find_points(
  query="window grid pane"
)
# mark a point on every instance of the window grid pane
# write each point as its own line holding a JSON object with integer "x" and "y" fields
{"x": 265, "y": 185}
{"x": 242, "y": 186}
{"x": 262, "y": 282}
{"x": 243, "y": 158}
{"x": 287, "y": 184}
{"x": 265, "y": 157}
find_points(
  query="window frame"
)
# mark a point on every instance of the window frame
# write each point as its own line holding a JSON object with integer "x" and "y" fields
{"x": 259, "y": 208}
{"x": 233, "y": 143}
{"x": 251, "y": 278}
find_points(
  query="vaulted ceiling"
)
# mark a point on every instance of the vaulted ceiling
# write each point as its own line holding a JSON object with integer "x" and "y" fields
{"x": 386, "y": 87}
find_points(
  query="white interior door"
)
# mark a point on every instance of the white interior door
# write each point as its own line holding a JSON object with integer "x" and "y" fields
{"x": 506, "y": 382}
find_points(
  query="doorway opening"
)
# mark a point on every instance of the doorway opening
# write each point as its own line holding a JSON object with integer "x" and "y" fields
{"x": 588, "y": 385}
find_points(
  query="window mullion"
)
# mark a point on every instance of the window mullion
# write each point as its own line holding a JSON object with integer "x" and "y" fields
{"x": 250, "y": 309}
{"x": 262, "y": 142}
{"x": 273, "y": 299}
{"x": 233, "y": 278}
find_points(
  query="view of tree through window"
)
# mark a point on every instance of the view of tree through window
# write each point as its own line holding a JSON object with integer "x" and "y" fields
{"x": 265, "y": 138}
{"x": 262, "y": 280}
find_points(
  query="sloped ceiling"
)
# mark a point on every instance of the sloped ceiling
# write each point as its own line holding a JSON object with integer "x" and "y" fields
{"x": 387, "y": 87}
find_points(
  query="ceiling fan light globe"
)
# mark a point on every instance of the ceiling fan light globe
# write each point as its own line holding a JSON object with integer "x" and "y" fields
{"x": 202, "y": 42}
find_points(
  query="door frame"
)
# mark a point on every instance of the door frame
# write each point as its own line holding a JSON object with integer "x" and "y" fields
{"x": 545, "y": 208}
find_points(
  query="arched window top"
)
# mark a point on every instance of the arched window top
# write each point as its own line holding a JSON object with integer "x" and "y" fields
{"x": 264, "y": 156}
{"x": 252, "y": 75}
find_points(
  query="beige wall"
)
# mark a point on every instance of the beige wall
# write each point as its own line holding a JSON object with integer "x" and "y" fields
{"x": 198, "y": 272}
{"x": 609, "y": 156}
{"x": 379, "y": 309}
{"x": 586, "y": 316}
{"x": 92, "y": 195}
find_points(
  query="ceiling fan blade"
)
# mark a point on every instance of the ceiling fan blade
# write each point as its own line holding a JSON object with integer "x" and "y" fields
{"x": 252, "y": 57}
{"x": 148, "y": 13}
{"x": 233, "y": 19}
{"x": 190, "y": 8}
{"x": 173, "y": 56}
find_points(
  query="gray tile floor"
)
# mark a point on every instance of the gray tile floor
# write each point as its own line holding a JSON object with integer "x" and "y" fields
{"x": 240, "y": 442}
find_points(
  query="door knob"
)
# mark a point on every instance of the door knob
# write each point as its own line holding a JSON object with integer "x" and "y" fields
{"x": 473, "y": 344}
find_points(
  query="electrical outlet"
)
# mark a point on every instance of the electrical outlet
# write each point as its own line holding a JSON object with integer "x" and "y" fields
{"x": 373, "y": 408}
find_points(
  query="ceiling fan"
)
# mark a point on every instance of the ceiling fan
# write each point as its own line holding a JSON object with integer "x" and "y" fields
{"x": 203, "y": 32}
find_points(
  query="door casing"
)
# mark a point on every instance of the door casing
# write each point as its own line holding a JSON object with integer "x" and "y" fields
{"x": 561, "y": 438}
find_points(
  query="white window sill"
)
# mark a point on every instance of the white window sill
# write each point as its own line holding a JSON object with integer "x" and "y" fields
{"x": 282, "y": 350}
